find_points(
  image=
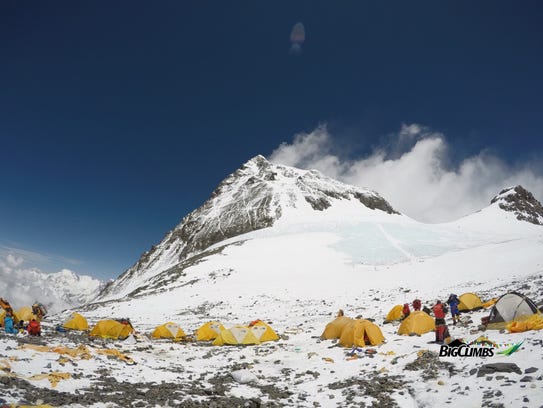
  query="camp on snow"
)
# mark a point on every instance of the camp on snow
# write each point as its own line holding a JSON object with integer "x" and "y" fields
{"x": 76, "y": 322}
{"x": 112, "y": 329}
{"x": 263, "y": 331}
{"x": 209, "y": 331}
{"x": 469, "y": 301}
{"x": 169, "y": 330}
{"x": 334, "y": 328}
{"x": 237, "y": 335}
{"x": 25, "y": 314}
{"x": 510, "y": 307}
{"x": 395, "y": 313}
{"x": 418, "y": 322}
{"x": 361, "y": 333}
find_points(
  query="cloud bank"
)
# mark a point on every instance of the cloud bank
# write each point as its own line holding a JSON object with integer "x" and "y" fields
{"x": 22, "y": 286}
{"x": 413, "y": 172}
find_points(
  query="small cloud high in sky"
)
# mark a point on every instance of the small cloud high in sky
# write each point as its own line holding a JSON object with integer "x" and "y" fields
{"x": 414, "y": 172}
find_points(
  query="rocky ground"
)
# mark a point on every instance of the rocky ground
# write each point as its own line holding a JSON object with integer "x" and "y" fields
{"x": 299, "y": 370}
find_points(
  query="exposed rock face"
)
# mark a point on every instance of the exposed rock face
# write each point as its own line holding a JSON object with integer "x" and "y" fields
{"x": 253, "y": 197}
{"x": 520, "y": 202}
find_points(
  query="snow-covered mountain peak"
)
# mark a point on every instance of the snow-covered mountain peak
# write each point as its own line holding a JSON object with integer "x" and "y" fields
{"x": 64, "y": 289}
{"x": 253, "y": 197}
{"x": 520, "y": 202}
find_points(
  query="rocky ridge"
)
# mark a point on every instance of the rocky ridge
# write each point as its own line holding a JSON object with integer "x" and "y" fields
{"x": 520, "y": 202}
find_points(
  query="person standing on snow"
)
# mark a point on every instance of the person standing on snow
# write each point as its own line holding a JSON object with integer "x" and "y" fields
{"x": 453, "y": 302}
{"x": 34, "y": 328}
{"x": 8, "y": 325}
{"x": 406, "y": 311}
{"x": 442, "y": 332}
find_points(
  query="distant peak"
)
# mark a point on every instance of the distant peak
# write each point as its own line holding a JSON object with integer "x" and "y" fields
{"x": 259, "y": 160}
{"x": 521, "y": 202}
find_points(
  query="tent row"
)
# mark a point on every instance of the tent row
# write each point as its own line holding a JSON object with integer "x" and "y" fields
{"x": 23, "y": 314}
{"x": 513, "y": 311}
{"x": 468, "y": 302}
{"x": 257, "y": 332}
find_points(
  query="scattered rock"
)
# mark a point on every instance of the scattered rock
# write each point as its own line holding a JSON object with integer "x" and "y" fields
{"x": 498, "y": 367}
{"x": 430, "y": 364}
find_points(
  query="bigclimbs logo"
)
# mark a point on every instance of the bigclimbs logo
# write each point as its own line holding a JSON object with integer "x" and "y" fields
{"x": 480, "y": 347}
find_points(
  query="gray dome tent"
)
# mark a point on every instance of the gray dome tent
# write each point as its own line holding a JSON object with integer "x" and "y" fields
{"x": 509, "y": 307}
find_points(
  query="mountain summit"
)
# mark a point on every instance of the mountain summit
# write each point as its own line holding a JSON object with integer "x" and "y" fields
{"x": 520, "y": 202}
{"x": 271, "y": 237}
{"x": 253, "y": 197}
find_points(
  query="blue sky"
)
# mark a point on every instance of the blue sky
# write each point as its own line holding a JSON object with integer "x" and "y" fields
{"x": 118, "y": 118}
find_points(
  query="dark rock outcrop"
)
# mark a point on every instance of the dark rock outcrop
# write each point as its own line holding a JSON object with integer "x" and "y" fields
{"x": 520, "y": 202}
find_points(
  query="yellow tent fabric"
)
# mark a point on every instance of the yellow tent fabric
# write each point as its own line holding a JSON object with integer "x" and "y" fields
{"x": 31, "y": 406}
{"x": 236, "y": 335}
{"x": 82, "y": 352}
{"x": 118, "y": 354}
{"x": 76, "y": 322}
{"x": 264, "y": 332}
{"x": 418, "y": 322}
{"x": 334, "y": 328}
{"x": 111, "y": 329}
{"x": 25, "y": 314}
{"x": 54, "y": 377}
{"x": 168, "y": 330}
{"x": 360, "y": 333}
{"x": 394, "y": 314}
{"x": 209, "y": 331}
{"x": 2, "y": 315}
{"x": 469, "y": 301}
{"x": 533, "y": 322}
{"x": 490, "y": 302}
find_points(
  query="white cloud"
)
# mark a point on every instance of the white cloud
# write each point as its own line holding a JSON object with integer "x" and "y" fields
{"x": 413, "y": 173}
{"x": 22, "y": 286}
{"x": 14, "y": 260}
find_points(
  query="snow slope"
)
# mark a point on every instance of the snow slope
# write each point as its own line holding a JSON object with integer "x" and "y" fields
{"x": 339, "y": 244}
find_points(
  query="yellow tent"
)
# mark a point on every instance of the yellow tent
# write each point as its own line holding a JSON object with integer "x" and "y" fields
{"x": 209, "y": 331}
{"x": 394, "y": 314}
{"x": 2, "y": 315}
{"x": 533, "y": 322}
{"x": 334, "y": 328}
{"x": 236, "y": 335}
{"x": 168, "y": 330}
{"x": 25, "y": 314}
{"x": 264, "y": 332}
{"x": 360, "y": 333}
{"x": 76, "y": 322}
{"x": 111, "y": 329}
{"x": 469, "y": 301}
{"x": 417, "y": 322}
